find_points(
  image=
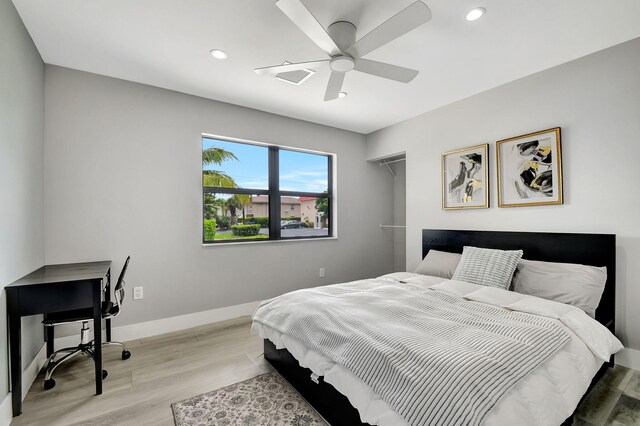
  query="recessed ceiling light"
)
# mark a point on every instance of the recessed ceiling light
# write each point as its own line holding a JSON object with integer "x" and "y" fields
{"x": 342, "y": 95}
{"x": 476, "y": 13}
{"x": 219, "y": 54}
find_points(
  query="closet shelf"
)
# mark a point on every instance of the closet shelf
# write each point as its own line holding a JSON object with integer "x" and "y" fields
{"x": 392, "y": 226}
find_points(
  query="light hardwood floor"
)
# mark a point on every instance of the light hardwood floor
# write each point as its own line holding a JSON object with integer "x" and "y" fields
{"x": 176, "y": 366}
{"x": 139, "y": 391}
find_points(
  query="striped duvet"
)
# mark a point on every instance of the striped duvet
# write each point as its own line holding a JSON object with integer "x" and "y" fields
{"x": 436, "y": 358}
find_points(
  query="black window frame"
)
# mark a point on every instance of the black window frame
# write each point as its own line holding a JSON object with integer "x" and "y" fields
{"x": 273, "y": 193}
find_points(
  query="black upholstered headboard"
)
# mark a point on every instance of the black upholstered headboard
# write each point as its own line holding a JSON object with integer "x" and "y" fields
{"x": 586, "y": 249}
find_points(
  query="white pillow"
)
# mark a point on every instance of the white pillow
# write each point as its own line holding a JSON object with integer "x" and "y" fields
{"x": 577, "y": 285}
{"x": 493, "y": 268}
{"x": 439, "y": 264}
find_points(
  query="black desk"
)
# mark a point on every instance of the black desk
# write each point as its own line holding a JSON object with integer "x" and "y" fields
{"x": 56, "y": 288}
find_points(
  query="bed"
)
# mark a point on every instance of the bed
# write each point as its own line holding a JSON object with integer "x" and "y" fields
{"x": 338, "y": 409}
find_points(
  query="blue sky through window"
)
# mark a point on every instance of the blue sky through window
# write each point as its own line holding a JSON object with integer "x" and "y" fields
{"x": 298, "y": 171}
{"x": 304, "y": 172}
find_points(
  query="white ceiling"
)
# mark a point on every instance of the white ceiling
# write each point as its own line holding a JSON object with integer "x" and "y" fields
{"x": 166, "y": 43}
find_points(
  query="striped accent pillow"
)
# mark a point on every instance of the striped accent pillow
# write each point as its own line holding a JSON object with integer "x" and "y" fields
{"x": 492, "y": 268}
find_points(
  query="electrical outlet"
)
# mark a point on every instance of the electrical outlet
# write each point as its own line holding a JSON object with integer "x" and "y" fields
{"x": 321, "y": 272}
{"x": 137, "y": 293}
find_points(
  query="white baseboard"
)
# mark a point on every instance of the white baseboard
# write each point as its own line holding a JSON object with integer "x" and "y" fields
{"x": 31, "y": 372}
{"x": 629, "y": 358}
{"x": 168, "y": 325}
{"x": 28, "y": 377}
{"x": 6, "y": 414}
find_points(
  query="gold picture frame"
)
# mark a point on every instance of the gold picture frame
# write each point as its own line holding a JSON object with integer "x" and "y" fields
{"x": 530, "y": 169}
{"x": 465, "y": 178}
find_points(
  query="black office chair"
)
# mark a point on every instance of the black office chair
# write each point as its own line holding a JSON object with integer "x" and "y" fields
{"x": 109, "y": 310}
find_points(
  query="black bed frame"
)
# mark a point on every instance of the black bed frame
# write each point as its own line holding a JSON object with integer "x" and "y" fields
{"x": 586, "y": 249}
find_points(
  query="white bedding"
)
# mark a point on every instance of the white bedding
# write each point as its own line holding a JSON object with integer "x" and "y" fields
{"x": 545, "y": 397}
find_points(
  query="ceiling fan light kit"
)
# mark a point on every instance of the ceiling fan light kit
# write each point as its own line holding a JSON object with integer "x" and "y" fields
{"x": 345, "y": 53}
{"x": 342, "y": 63}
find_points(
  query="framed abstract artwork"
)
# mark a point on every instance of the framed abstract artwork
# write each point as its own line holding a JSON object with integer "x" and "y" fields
{"x": 465, "y": 178}
{"x": 530, "y": 169}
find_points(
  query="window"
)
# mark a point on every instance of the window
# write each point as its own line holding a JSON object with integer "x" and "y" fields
{"x": 254, "y": 192}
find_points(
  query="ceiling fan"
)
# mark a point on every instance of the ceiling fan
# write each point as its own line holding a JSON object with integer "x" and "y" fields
{"x": 339, "y": 42}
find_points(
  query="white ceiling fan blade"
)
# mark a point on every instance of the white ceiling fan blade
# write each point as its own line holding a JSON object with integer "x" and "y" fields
{"x": 380, "y": 69}
{"x": 277, "y": 69}
{"x": 334, "y": 86}
{"x": 300, "y": 15}
{"x": 401, "y": 23}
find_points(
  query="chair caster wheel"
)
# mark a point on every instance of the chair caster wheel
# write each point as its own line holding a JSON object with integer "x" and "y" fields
{"x": 104, "y": 374}
{"x": 126, "y": 354}
{"x": 49, "y": 384}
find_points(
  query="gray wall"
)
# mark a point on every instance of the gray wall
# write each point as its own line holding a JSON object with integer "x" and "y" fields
{"x": 122, "y": 176}
{"x": 596, "y": 101}
{"x": 21, "y": 172}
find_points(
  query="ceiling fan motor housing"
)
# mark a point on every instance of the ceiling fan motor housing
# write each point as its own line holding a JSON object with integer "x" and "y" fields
{"x": 342, "y": 63}
{"x": 343, "y": 33}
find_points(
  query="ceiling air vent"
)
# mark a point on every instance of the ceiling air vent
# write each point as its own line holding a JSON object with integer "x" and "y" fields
{"x": 295, "y": 77}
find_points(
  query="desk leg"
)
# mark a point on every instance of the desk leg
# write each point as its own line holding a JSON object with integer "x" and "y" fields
{"x": 97, "y": 333}
{"x": 108, "y": 299}
{"x": 50, "y": 337}
{"x": 15, "y": 344}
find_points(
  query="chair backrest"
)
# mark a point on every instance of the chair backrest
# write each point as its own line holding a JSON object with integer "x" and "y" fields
{"x": 118, "y": 291}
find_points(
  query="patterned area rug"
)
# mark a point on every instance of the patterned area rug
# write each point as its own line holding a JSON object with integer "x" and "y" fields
{"x": 264, "y": 400}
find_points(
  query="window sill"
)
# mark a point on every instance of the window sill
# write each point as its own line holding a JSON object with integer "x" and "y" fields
{"x": 250, "y": 243}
